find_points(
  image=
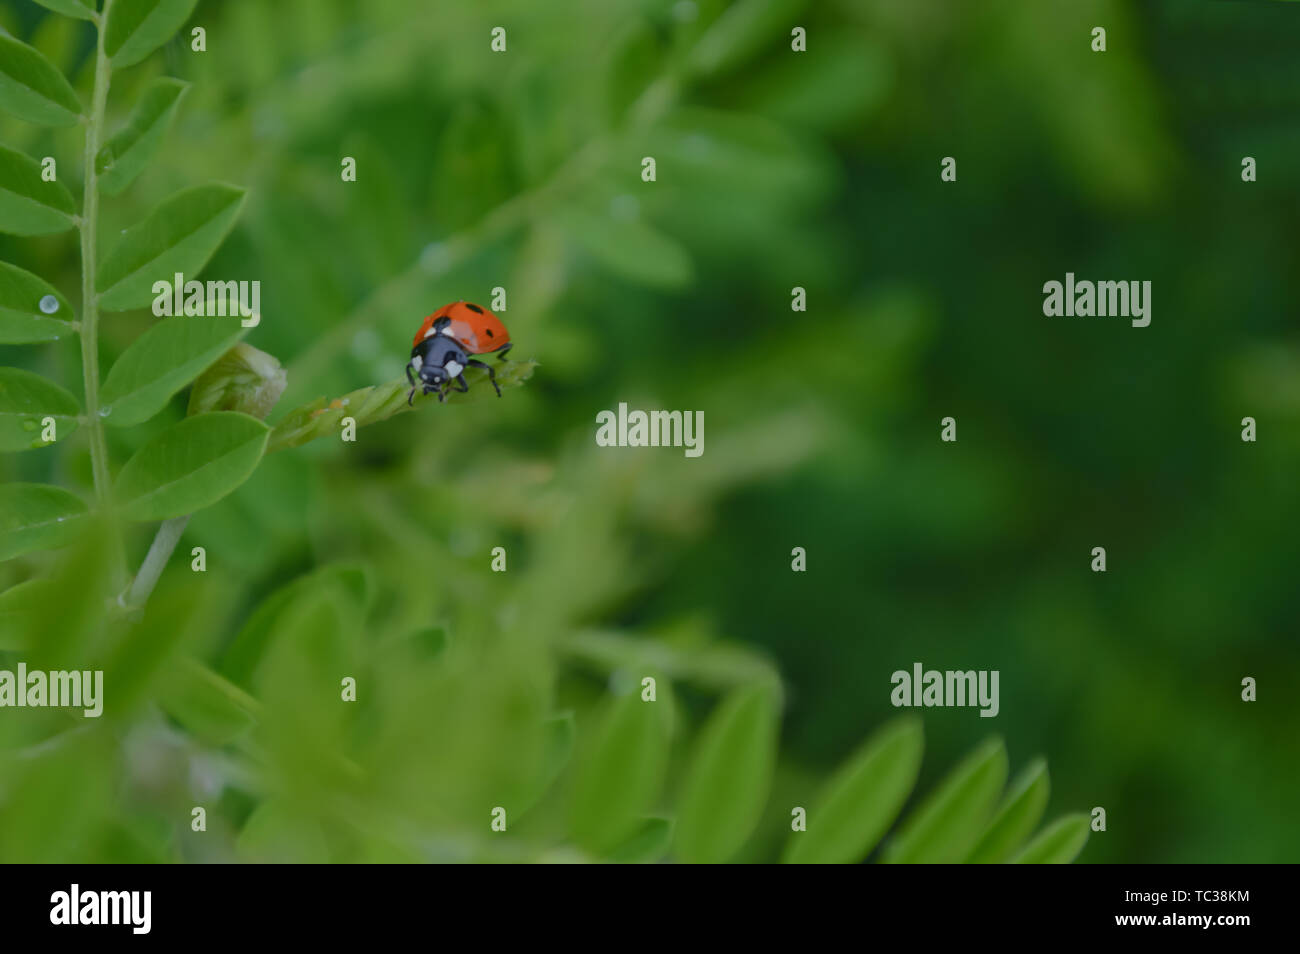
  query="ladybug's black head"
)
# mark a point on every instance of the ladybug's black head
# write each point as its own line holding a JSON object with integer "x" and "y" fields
{"x": 437, "y": 360}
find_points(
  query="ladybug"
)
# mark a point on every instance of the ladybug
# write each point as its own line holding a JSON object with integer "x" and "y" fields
{"x": 444, "y": 342}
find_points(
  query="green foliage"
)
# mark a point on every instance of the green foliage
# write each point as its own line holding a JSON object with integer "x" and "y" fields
{"x": 190, "y": 465}
{"x": 727, "y": 782}
{"x": 138, "y": 27}
{"x": 333, "y": 561}
{"x": 80, "y": 9}
{"x": 180, "y": 235}
{"x": 134, "y": 146}
{"x": 37, "y": 517}
{"x": 1057, "y": 844}
{"x": 31, "y": 88}
{"x": 26, "y": 399}
{"x": 1021, "y": 810}
{"x": 28, "y": 204}
{"x": 650, "y": 843}
{"x": 160, "y": 362}
{"x": 628, "y": 248}
{"x": 22, "y": 319}
{"x": 945, "y": 826}
{"x": 620, "y": 772}
{"x": 862, "y": 799}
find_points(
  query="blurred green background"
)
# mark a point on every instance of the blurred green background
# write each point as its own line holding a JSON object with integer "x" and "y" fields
{"x": 775, "y": 169}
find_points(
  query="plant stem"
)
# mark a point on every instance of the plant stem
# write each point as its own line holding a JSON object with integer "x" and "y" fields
{"x": 89, "y": 301}
{"x": 160, "y": 551}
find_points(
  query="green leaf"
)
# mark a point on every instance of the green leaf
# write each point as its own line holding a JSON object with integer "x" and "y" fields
{"x": 21, "y": 607}
{"x": 250, "y": 644}
{"x": 180, "y": 235}
{"x": 728, "y": 778}
{"x": 191, "y": 465}
{"x": 59, "y": 617}
{"x": 138, "y": 27}
{"x": 31, "y": 88}
{"x": 38, "y": 517}
{"x": 26, "y": 399}
{"x": 560, "y": 732}
{"x": 28, "y": 204}
{"x": 160, "y": 362}
{"x": 182, "y": 612}
{"x": 852, "y": 75}
{"x": 946, "y": 825}
{"x": 1057, "y": 844}
{"x": 279, "y": 832}
{"x": 647, "y": 845}
{"x": 636, "y": 57}
{"x": 31, "y": 309}
{"x": 81, "y": 9}
{"x": 629, "y": 248}
{"x": 742, "y": 30}
{"x": 621, "y": 771}
{"x": 208, "y": 706}
{"x": 862, "y": 798}
{"x": 1022, "y": 808}
{"x": 73, "y": 781}
{"x": 714, "y": 151}
{"x": 133, "y": 146}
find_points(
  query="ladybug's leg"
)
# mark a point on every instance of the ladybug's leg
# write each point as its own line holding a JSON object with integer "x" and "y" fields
{"x": 410, "y": 395}
{"x": 501, "y": 355}
{"x": 492, "y": 375}
{"x": 460, "y": 379}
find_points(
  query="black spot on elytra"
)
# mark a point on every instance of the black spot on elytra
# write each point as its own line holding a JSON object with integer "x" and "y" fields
{"x": 489, "y": 332}
{"x": 474, "y": 308}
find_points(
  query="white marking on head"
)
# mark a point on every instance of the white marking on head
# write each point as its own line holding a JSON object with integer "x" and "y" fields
{"x": 453, "y": 368}
{"x": 417, "y": 362}
{"x": 429, "y": 334}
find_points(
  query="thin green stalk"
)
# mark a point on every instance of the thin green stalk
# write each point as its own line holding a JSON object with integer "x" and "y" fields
{"x": 160, "y": 551}
{"x": 89, "y": 300}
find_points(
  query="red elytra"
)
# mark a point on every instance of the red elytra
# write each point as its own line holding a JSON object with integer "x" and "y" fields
{"x": 473, "y": 327}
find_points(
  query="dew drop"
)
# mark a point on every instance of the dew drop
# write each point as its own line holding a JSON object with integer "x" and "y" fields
{"x": 49, "y": 304}
{"x": 105, "y": 411}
